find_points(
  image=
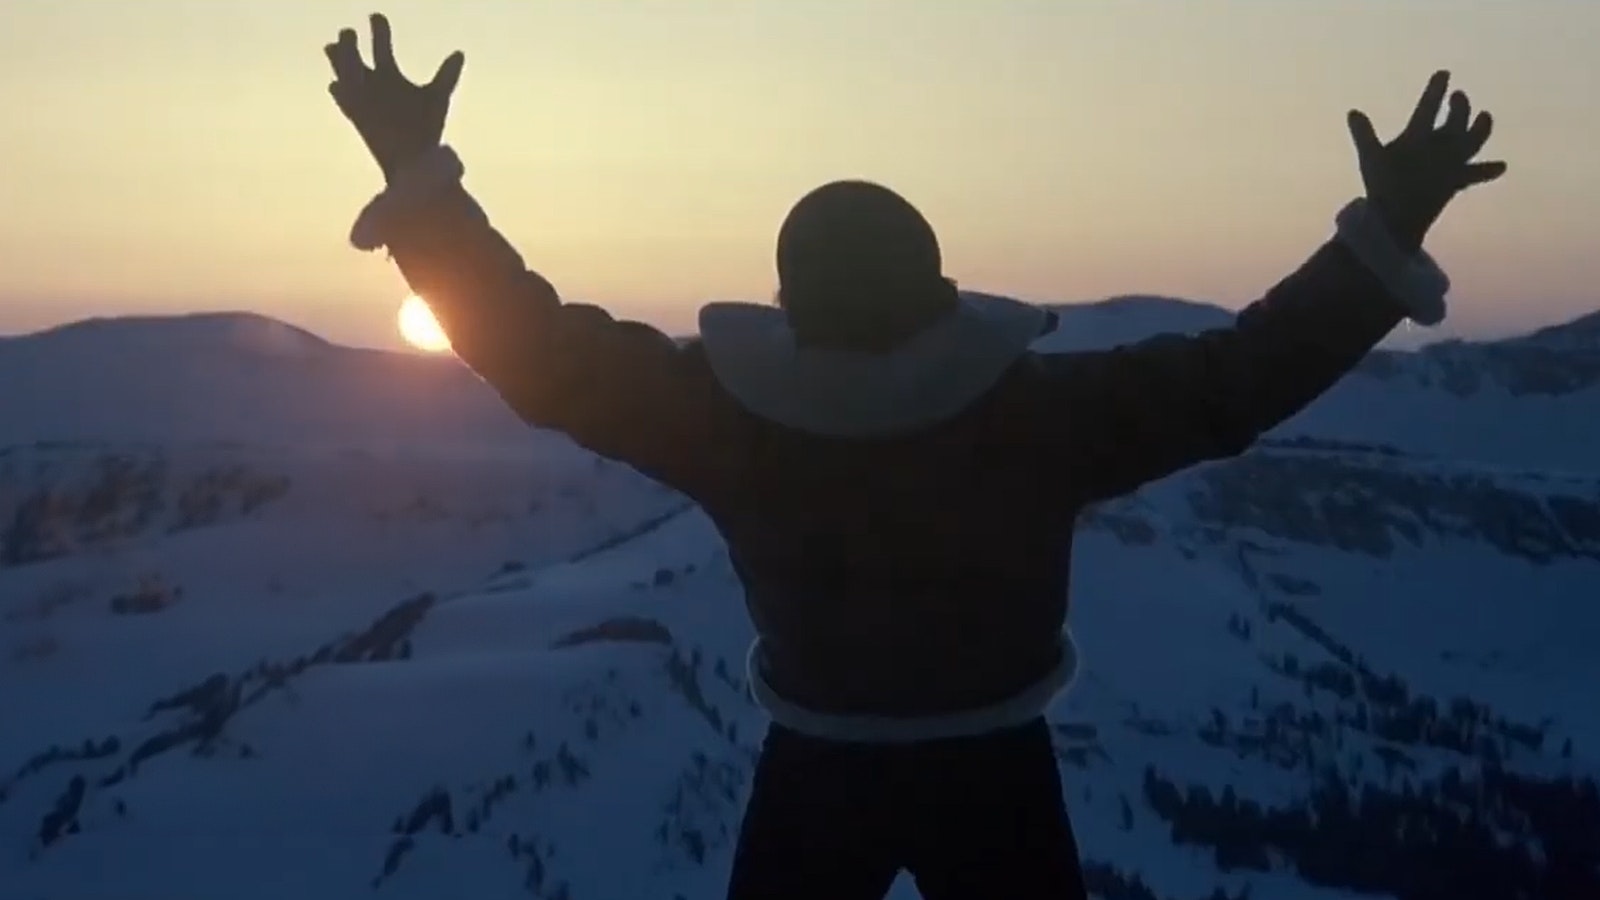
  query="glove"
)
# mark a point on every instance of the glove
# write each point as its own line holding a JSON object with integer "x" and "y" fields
{"x": 1412, "y": 178}
{"x": 397, "y": 120}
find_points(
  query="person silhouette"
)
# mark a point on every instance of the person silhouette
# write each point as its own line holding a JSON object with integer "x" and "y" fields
{"x": 895, "y": 472}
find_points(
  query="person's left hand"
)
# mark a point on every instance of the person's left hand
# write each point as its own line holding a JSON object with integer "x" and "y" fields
{"x": 1412, "y": 178}
{"x": 398, "y": 120}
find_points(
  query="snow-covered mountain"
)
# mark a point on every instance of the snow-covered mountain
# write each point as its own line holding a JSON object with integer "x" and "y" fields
{"x": 281, "y": 618}
{"x": 236, "y": 377}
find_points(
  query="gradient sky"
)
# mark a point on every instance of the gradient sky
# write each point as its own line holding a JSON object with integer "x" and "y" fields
{"x": 167, "y": 155}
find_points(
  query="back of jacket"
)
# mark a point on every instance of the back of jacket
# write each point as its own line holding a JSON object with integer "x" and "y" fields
{"x": 903, "y": 576}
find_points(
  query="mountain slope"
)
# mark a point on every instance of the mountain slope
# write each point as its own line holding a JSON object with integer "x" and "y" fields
{"x": 282, "y": 668}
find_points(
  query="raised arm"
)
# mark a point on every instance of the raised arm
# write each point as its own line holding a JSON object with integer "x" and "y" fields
{"x": 622, "y": 389}
{"x": 1138, "y": 413}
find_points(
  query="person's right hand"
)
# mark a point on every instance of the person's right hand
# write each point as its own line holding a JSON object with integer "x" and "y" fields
{"x": 1412, "y": 178}
{"x": 398, "y": 120}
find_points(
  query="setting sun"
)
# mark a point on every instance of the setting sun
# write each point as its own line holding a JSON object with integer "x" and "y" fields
{"x": 420, "y": 328}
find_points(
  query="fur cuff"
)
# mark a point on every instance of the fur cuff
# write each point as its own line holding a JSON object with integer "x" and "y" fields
{"x": 438, "y": 168}
{"x": 1416, "y": 282}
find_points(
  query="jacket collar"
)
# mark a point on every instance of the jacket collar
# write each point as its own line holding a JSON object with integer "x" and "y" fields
{"x": 839, "y": 393}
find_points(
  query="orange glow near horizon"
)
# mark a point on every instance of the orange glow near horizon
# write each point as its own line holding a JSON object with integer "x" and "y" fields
{"x": 1064, "y": 151}
{"x": 419, "y": 327}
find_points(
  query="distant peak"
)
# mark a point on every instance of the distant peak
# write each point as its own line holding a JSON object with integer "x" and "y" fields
{"x": 1142, "y": 302}
{"x": 1127, "y": 318}
{"x": 238, "y": 331}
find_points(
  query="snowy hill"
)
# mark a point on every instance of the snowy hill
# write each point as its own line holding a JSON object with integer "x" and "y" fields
{"x": 236, "y": 377}
{"x": 257, "y": 643}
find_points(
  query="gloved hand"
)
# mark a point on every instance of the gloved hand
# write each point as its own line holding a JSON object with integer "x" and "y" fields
{"x": 1412, "y": 178}
{"x": 399, "y": 121}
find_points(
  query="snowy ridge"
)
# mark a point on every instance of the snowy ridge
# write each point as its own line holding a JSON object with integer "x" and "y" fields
{"x": 237, "y": 377}
{"x": 282, "y": 669}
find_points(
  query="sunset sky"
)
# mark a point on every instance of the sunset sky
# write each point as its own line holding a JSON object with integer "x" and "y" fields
{"x": 174, "y": 155}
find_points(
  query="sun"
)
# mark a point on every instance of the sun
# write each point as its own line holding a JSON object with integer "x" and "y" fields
{"x": 420, "y": 329}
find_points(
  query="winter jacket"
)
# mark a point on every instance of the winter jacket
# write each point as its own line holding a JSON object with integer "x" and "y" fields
{"x": 902, "y": 522}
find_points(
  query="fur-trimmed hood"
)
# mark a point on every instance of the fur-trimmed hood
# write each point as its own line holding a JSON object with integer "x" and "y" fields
{"x": 842, "y": 393}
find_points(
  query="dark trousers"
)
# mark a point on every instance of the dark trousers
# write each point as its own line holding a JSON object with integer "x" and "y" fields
{"x": 968, "y": 818}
